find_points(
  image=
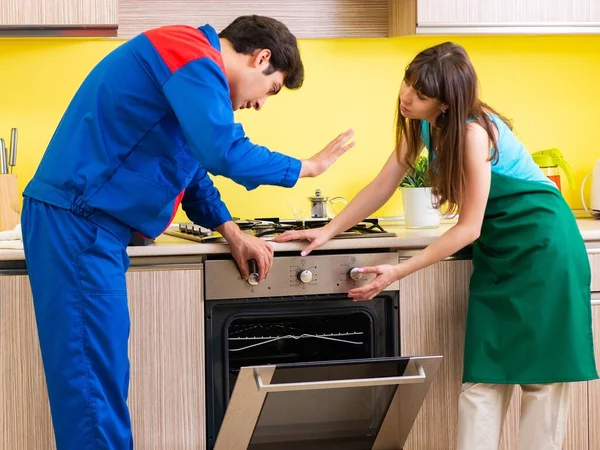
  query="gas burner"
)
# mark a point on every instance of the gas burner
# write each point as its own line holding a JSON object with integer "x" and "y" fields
{"x": 270, "y": 227}
{"x": 193, "y": 229}
{"x": 369, "y": 225}
{"x": 262, "y": 229}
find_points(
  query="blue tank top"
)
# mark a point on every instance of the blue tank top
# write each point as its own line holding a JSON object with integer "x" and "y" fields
{"x": 513, "y": 158}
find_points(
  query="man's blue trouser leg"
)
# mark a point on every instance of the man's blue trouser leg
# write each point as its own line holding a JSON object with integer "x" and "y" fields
{"x": 77, "y": 274}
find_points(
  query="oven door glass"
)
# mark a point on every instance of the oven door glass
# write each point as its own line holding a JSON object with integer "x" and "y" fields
{"x": 347, "y": 405}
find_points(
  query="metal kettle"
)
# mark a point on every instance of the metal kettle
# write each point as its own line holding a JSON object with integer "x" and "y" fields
{"x": 320, "y": 206}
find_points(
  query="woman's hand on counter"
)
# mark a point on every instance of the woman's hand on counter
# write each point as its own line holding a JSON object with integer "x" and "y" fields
{"x": 317, "y": 237}
{"x": 384, "y": 276}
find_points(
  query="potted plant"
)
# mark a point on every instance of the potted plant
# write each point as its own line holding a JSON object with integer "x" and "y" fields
{"x": 419, "y": 209}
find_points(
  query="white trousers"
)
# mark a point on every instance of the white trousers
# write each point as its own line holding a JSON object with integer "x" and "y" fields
{"x": 482, "y": 409}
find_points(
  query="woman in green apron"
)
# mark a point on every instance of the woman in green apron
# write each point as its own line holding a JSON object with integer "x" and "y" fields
{"x": 529, "y": 314}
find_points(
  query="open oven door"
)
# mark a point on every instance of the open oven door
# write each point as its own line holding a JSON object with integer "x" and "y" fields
{"x": 366, "y": 404}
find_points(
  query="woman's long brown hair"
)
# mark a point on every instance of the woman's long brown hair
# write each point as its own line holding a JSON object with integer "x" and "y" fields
{"x": 444, "y": 72}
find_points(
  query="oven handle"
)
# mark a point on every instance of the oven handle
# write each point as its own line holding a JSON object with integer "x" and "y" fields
{"x": 333, "y": 384}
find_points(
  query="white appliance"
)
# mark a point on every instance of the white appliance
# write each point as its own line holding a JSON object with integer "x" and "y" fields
{"x": 594, "y": 208}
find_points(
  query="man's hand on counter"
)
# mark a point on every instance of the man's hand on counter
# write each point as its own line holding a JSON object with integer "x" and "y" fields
{"x": 245, "y": 247}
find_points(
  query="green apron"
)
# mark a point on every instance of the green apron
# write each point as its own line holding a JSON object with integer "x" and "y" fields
{"x": 529, "y": 315}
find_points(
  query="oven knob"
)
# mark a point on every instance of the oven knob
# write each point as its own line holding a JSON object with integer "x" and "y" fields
{"x": 355, "y": 274}
{"x": 253, "y": 269}
{"x": 305, "y": 276}
{"x": 253, "y": 279}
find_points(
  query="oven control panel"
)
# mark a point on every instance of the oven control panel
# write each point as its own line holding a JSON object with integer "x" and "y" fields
{"x": 291, "y": 275}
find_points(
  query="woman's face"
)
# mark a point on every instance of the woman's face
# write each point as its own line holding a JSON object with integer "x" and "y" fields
{"x": 415, "y": 105}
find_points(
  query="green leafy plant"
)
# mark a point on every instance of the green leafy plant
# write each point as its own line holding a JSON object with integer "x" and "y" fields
{"x": 417, "y": 175}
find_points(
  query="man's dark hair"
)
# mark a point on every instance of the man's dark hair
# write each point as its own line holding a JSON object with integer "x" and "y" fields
{"x": 248, "y": 33}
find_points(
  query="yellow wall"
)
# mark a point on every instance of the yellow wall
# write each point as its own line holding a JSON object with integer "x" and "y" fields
{"x": 547, "y": 85}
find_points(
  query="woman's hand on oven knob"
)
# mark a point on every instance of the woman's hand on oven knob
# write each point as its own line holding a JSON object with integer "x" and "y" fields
{"x": 355, "y": 273}
{"x": 385, "y": 275}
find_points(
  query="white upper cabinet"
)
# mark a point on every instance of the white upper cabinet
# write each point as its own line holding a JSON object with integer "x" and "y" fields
{"x": 508, "y": 16}
{"x": 58, "y": 17}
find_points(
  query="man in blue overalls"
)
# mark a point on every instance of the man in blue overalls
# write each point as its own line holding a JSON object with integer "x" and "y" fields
{"x": 142, "y": 133}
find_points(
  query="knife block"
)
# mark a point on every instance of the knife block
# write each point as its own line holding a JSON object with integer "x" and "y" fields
{"x": 10, "y": 214}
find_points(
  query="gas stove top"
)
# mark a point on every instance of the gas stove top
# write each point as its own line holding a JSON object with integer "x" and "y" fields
{"x": 269, "y": 228}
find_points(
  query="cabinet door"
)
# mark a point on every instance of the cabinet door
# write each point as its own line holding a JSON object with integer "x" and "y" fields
{"x": 166, "y": 348}
{"x": 433, "y": 306}
{"x": 594, "y": 386}
{"x": 595, "y": 267}
{"x": 166, "y": 396}
{"x": 508, "y": 16}
{"x": 474, "y": 12}
{"x": 304, "y": 18}
{"x": 25, "y": 421}
{"x": 58, "y": 12}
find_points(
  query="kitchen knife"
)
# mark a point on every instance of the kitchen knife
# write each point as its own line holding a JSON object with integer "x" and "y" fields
{"x": 12, "y": 162}
{"x": 3, "y": 158}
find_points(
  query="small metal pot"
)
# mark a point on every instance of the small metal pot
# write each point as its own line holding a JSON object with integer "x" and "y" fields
{"x": 319, "y": 206}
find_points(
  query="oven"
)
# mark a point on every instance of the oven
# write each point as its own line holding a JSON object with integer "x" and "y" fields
{"x": 295, "y": 363}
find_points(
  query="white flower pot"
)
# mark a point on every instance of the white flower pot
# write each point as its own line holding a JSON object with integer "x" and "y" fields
{"x": 419, "y": 211}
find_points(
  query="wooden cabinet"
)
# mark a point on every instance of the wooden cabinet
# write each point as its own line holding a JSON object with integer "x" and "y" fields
{"x": 508, "y": 16}
{"x": 166, "y": 348}
{"x": 578, "y": 427}
{"x": 593, "y": 401}
{"x": 433, "y": 306}
{"x": 305, "y": 18}
{"x": 595, "y": 267}
{"x": 73, "y": 17}
{"x": 371, "y": 18}
{"x": 166, "y": 396}
{"x": 25, "y": 421}
{"x": 594, "y": 386}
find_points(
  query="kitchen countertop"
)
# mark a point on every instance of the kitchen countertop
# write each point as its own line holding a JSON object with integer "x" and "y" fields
{"x": 406, "y": 239}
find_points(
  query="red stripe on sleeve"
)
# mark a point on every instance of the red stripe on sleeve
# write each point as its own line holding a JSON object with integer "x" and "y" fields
{"x": 178, "y": 45}
{"x": 178, "y": 200}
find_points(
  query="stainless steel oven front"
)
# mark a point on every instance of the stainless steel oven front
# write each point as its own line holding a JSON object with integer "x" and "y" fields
{"x": 294, "y": 363}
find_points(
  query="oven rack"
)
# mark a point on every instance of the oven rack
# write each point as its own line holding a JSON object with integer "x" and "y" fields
{"x": 268, "y": 339}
